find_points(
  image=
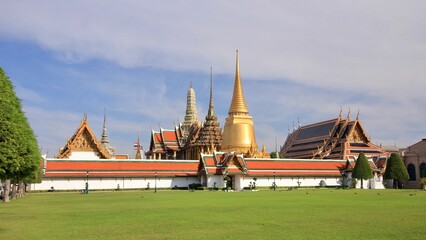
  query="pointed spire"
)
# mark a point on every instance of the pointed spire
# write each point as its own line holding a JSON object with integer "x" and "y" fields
{"x": 104, "y": 138}
{"x": 238, "y": 104}
{"x": 138, "y": 148}
{"x": 191, "y": 115}
{"x": 349, "y": 114}
{"x": 211, "y": 106}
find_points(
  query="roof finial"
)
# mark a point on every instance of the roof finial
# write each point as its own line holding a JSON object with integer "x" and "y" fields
{"x": 340, "y": 114}
{"x": 357, "y": 115}
{"x": 349, "y": 114}
{"x": 190, "y": 84}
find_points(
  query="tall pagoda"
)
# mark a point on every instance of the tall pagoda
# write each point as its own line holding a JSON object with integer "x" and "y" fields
{"x": 208, "y": 138}
{"x": 238, "y": 133}
{"x": 191, "y": 115}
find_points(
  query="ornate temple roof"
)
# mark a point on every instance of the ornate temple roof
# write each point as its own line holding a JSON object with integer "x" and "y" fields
{"x": 332, "y": 139}
{"x": 83, "y": 140}
{"x": 221, "y": 163}
{"x": 164, "y": 140}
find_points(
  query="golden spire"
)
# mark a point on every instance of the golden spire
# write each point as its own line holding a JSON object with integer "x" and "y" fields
{"x": 238, "y": 133}
{"x": 238, "y": 104}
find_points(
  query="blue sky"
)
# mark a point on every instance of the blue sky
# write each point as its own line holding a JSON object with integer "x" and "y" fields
{"x": 298, "y": 59}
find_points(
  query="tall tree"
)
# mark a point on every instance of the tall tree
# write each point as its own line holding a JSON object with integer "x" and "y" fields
{"x": 362, "y": 169}
{"x": 19, "y": 155}
{"x": 396, "y": 170}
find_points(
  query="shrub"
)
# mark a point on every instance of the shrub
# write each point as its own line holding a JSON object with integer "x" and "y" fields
{"x": 194, "y": 186}
{"x": 423, "y": 182}
{"x": 354, "y": 182}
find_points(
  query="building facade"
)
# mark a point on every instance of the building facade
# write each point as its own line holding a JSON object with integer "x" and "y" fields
{"x": 414, "y": 158}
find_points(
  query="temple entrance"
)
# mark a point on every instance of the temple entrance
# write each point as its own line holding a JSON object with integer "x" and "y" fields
{"x": 230, "y": 182}
{"x": 411, "y": 172}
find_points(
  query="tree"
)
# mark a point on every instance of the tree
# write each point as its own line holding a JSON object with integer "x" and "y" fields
{"x": 396, "y": 170}
{"x": 362, "y": 169}
{"x": 19, "y": 154}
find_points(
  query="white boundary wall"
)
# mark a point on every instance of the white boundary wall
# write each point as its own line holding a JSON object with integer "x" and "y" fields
{"x": 240, "y": 181}
{"x": 289, "y": 181}
{"x": 113, "y": 183}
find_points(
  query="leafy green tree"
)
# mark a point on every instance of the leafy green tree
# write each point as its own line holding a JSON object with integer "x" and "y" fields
{"x": 396, "y": 170}
{"x": 362, "y": 169}
{"x": 19, "y": 154}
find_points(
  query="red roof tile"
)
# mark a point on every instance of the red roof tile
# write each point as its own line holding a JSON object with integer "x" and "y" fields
{"x": 169, "y": 136}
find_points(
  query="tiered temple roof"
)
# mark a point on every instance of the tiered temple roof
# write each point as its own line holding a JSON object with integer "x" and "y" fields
{"x": 221, "y": 163}
{"x": 332, "y": 139}
{"x": 165, "y": 143}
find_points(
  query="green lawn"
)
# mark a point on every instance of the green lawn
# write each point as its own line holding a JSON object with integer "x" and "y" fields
{"x": 297, "y": 214}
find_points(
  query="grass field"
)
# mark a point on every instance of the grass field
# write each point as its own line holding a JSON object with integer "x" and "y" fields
{"x": 297, "y": 214}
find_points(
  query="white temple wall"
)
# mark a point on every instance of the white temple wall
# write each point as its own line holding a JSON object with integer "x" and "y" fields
{"x": 113, "y": 183}
{"x": 239, "y": 182}
{"x": 290, "y": 181}
{"x": 218, "y": 179}
{"x": 375, "y": 183}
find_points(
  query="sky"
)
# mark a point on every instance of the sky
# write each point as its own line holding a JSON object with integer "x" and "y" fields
{"x": 300, "y": 61}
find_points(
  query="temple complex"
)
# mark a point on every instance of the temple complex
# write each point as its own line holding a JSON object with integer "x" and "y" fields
{"x": 319, "y": 154}
{"x": 238, "y": 133}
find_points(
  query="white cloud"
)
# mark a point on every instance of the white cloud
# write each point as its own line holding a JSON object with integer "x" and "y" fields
{"x": 338, "y": 44}
{"x": 362, "y": 54}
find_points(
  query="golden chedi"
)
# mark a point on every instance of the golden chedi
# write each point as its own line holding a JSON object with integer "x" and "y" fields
{"x": 238, "y": 132}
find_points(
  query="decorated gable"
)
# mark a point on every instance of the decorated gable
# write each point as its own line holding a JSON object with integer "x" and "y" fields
{"x": 83, "y": 144}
